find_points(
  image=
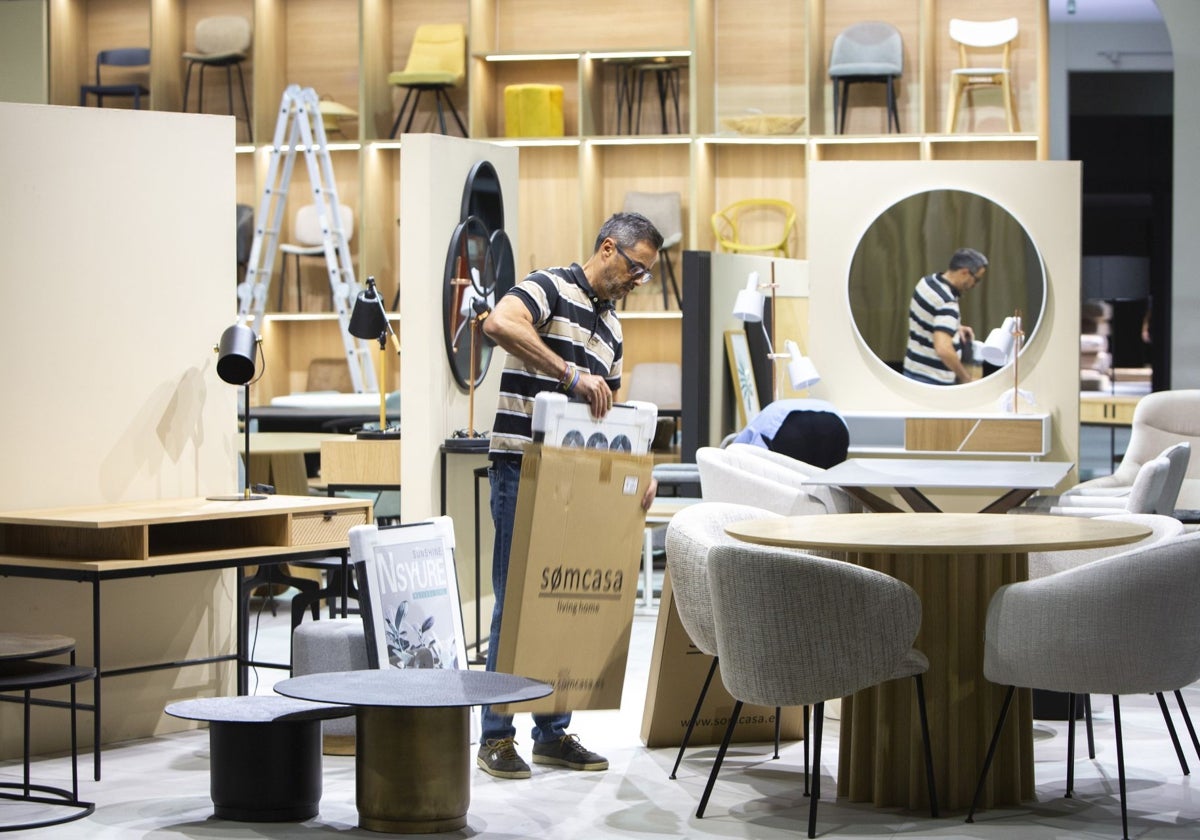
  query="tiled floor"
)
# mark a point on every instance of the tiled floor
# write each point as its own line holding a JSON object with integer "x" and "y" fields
{"x": 159, "y": 788}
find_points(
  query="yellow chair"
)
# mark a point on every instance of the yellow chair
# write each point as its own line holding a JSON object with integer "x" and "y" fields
{"x": 751, "y": 214}
{"x": 533, "y": 111}
{"x": 975, "y": 37}
{"x": 437, "y": 61}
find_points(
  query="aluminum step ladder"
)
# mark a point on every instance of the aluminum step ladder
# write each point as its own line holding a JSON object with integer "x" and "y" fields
{"x": 300, "y": 128}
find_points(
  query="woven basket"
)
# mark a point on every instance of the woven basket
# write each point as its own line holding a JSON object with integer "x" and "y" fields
{"x": 764, "y": 124}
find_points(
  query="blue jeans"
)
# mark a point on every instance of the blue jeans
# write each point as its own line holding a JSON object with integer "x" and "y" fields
{"x": 503, "y": 477}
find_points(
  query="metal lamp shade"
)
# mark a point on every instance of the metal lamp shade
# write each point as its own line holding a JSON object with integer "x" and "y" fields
{"x": 236, "y": 354}
{"x": 368, "y": 320}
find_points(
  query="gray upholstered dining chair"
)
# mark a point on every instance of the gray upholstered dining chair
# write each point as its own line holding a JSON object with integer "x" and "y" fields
{"x": 1046, "y": 563}
{"x": 793, "y": 629}
{"x": 1127, "y": 624}
{"x": 691, "y": 534}
{"x": 871, "y": 51}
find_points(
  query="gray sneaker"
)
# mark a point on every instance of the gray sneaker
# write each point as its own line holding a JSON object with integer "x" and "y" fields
{"x": 568, "y": 752}
{"x": 499, "y": 758}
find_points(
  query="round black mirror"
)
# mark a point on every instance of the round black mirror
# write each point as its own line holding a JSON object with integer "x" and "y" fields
{"x": 468, "y": 294}
{"x": 915, "y": 237}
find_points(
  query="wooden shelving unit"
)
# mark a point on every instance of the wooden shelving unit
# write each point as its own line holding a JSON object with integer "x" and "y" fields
{"x": 741, "y": 56}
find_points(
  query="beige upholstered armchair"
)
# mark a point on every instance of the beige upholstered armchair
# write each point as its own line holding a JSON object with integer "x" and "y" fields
{"x": 726, "y": 477}
{"x": 1160, "y": 419}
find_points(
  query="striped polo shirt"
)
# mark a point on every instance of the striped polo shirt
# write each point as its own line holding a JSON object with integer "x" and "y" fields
{"x": 934, "y": 308}
{"x": 574, "y": 324}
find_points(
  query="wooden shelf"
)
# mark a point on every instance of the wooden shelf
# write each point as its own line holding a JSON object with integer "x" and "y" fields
{"x": 741, "y": 56}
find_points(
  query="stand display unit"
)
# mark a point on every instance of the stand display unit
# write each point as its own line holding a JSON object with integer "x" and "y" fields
{"x": 735, "y": 59}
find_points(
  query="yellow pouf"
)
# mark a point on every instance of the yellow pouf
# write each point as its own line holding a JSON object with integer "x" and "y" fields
{"x": 533, "y": 111}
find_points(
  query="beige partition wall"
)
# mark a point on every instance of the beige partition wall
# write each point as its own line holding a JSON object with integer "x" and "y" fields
{"x": 845, "y": 198}
{"x": 119, "y": 278}
{"x": 433, "y": 170}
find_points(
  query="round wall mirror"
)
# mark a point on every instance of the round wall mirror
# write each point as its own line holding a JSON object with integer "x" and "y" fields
{"x": 469, "y": 288}
{"x": 482, "y": 197}
{"x": 916, "y": 236}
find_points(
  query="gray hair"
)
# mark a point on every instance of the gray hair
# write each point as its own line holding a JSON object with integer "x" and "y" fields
{"x": 967, "y": 258}
{"x": 627, "y": 230}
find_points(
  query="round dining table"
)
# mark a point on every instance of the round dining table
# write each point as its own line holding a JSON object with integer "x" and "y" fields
{"x": 955, "y": 562}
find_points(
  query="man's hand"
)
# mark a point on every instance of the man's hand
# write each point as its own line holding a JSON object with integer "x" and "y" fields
{"x": 651, "y": 492}
{"x": 595, "y": 391}
{"x": 967, "y": 333}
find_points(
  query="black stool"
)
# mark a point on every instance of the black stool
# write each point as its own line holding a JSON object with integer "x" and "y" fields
{"x": 26, "y": 675}
{"x": 265, "y": 763}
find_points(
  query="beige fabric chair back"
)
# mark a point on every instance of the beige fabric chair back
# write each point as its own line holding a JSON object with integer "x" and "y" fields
{"x": 691, "y": 534}
{"x": 224, "y": 35}
{"x": 664, "y": 210}
{"x": 658, "y": 382}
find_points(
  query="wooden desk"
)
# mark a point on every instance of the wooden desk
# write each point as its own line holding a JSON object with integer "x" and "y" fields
{"x": 148, "y": 539}
{"x": 1018, "y": 480}
{"x": 955, "y": 562}
{"x": 350, "y": 463}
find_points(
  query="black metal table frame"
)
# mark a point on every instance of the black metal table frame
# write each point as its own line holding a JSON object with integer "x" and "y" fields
{"x": 150, "y": 569}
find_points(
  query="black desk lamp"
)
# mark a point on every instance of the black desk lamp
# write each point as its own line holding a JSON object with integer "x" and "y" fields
{"x": 236, "y": 354}
{"x": 369, "y": 321}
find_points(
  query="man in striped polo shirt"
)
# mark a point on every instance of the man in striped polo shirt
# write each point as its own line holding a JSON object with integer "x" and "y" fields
{"x": 561, "y": 332}
{"x": 936, "y": 333}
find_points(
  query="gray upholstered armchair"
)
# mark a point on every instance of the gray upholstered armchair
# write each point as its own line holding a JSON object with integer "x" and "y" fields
{"x": 794, "y": 629}
{"x": 691, "y": 534}
{"x": 1127, "y": 624}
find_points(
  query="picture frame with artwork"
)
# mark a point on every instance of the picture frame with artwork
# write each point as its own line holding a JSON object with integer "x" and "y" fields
{"x": 408, "y": 594}
{"x": 741, "y": 372}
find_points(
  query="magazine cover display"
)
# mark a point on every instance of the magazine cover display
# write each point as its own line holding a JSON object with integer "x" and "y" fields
{"x": 411, "y": 612}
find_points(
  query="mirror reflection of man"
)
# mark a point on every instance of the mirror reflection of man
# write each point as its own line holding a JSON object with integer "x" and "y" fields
{"x": 936, "y": 334}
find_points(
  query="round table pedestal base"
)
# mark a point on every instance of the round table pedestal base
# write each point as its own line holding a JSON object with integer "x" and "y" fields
{"x": 265, "y": 772}
{"x": 413, "y": 769}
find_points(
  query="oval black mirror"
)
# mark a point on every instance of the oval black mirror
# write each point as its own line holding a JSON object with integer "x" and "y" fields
{"x": 468, "y": 292}
{"x": 915, "y": 237}
{"x": 482, "y": 196}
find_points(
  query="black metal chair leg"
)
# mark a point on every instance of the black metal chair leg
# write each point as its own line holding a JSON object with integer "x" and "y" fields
{"x": 1071, "y": 711}
{"x": 687, "y": 735}
{"x": 991, "y": 753}
{"x": 400, "y": 114}
{"x": 1187, "y": 719}
{"x": 778, "y": 715}
{"x": 929, "y": 779}
{"x": 806, "y": 712}
{"x": 245, "y": 104}
{"x": 815, "y": 796}
{"x": 1162, "y": 705}
{"x": 413, "y": 112}
{"x": 1120, "y": 766}
{"x": 716, "y": 768}
{"x": 1087, "y": 719}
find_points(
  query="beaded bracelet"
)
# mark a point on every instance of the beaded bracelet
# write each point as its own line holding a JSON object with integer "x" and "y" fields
{"x": 574, "y": 382}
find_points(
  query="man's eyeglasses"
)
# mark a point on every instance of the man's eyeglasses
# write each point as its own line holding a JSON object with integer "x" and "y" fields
{"x": 637, "y": 272}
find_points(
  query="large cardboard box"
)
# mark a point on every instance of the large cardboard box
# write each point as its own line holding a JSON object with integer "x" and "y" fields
{"x": 677, "y": 671}
{"x": 573, "y": 575}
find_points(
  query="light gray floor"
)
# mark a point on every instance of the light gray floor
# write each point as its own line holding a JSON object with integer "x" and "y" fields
{"x": 158, "y": 788}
